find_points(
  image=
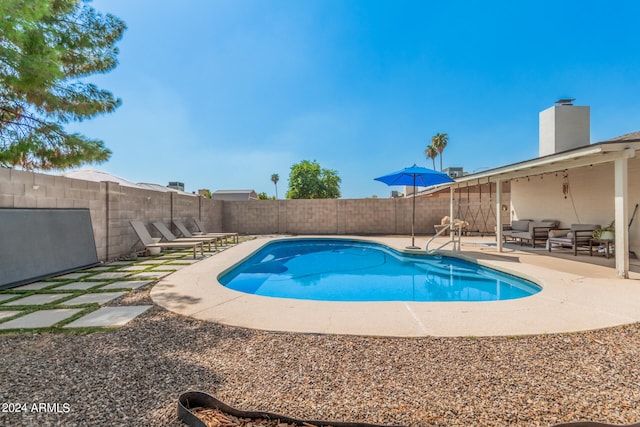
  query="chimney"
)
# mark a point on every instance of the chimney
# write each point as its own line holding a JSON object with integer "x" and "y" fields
{"x": 563, "y": 127}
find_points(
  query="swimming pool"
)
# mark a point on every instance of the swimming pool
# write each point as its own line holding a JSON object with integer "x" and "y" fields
{"x": 351, "y": 270}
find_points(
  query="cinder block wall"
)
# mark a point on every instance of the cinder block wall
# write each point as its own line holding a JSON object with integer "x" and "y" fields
{"x": 112, "y": 206}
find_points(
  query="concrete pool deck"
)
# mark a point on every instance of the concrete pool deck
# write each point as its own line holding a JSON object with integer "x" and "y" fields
{"x": 575, "y": 296}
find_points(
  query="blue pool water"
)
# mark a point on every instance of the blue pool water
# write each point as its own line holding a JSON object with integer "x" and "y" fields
{"x": 347, "y": 270}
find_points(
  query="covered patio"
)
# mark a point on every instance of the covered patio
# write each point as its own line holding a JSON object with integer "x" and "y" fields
{"x": 593, "y": 184}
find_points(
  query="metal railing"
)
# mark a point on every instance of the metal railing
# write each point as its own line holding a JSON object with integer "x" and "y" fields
{"x": 456, "y": 235}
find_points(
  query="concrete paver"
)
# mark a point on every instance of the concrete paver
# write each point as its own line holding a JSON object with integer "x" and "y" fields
{"x": 126, "y": 284}
{"x": 79, "y": 286}
{"x": 135, "y": 268}
{"x": 40, "y": 319}
{"x": 4, "y": 297}
{"x": 38, "y": 299}
{"x": 36, "y": 286}
{"x": 78, "y": 275}
{"x": 109, "y": 316}
{"x": 150, "y": 275}
{"x": 100, "y": 298}
{"x": 5, "y": 314}
{"x": 111, "y": 275}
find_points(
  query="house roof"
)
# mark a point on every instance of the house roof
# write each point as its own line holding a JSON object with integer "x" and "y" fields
{"x": 234, "y": 195}
{"x": 100, "y": 176}
{"x": 602, "y": 152}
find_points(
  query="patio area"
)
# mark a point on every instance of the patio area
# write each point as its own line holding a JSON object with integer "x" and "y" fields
{"x": 578, "y": 293}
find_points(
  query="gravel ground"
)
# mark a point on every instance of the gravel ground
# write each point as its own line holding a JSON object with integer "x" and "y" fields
{"x": 133, "y": 376}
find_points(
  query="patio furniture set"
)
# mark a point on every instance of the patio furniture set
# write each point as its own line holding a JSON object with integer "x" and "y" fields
{"x": 578, "y": 237}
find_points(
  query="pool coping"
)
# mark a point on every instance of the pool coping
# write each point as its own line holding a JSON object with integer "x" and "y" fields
{"x": 573, "y": 298}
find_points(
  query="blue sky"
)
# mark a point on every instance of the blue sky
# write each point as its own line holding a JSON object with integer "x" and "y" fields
{"x": 221, "y": 94}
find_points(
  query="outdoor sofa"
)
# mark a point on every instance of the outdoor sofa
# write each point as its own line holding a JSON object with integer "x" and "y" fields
{"x": 577, "y": 237}
{"x": 530, "y": 231}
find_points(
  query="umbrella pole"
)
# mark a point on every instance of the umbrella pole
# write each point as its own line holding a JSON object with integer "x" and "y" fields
{"x": 413, "y": 217}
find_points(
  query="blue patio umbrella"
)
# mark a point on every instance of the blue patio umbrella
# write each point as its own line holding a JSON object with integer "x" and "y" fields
{"x": 416, "y": 176}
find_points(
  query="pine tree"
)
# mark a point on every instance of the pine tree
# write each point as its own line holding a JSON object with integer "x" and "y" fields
{"x": 47, "y": 49}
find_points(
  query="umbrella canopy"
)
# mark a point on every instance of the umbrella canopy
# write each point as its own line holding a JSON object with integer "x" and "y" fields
{"x": 416, "y": 176}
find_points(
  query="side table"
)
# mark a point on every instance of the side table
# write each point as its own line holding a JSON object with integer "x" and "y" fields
{"x": 599, "y": 242}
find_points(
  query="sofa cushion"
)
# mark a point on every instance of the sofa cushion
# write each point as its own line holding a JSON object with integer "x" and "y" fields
{"x": 545, "y": 224}
{"x": 558, "y": 233}
{"x": 584, "y": 227}
{"x": 520, "y": 225}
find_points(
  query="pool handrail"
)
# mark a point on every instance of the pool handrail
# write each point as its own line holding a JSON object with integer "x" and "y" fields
{"x": 456, "y": 244}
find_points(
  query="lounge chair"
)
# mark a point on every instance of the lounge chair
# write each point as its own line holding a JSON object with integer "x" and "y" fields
{"x": 198, "y": 224}
{"x": 169, "y": 236}
{"x": 577, "y": 237}
{"x": 146, "y": 239}
{"x": 187, "y": 234}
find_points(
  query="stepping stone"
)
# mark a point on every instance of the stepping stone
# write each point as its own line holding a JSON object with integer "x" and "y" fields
{"x": 4, "y": 297}
{"x": 71, "y": 276}
{"x": 109, "y": 316}
{"x": 40, "y": 319}
{"x": 150, "y": 275}
{"x": 184, "y": 261}
{"x": 36, "y": 286}
{"x": 5, "y": 314}
{"x": 127, "y": 284}
{"x": 168, "y": 267}
{"x": 110, "y": 275}
{"x": 153, "y": 261}
{"x": 38, "y": 299}
{"x": 100, "y": 298}
{"x": 135, "y": 268}
{"x": 115, "y": 263}
{"x": 79, "y": 286}
{"x": 101, "y": 268}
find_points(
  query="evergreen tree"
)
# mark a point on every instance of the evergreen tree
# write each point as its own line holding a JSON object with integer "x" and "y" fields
{"x": 47, "y": 48}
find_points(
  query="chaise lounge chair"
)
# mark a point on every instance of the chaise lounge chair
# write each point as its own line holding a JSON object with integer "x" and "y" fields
{"x": 146, "y": 239}
{"x": 198, "y": 224}
{"x": 577, "y": 237}
{"x": 187, "y": 234}
{"x": 169, "y": 236}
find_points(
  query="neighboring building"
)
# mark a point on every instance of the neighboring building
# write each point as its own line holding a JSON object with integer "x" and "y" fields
{"x": 454, "y": 172}
{"x": 100, "y": 176}
{"x": 234, "y": 195}
{"x": 176, "y": 185}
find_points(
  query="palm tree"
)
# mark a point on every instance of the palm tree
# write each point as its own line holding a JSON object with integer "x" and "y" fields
{"x": 275, "y": 178}
{"x": 439, "y": 141}
{"x": 431, "y": 152}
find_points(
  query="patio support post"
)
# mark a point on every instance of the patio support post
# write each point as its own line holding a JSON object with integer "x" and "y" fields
{"x": 621, "y": 191}
{"x": 451, "y": 194}
{"x": 498, "y": 215}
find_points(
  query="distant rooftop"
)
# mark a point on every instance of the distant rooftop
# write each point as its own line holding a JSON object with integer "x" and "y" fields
{"x": 100, "y": 176}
